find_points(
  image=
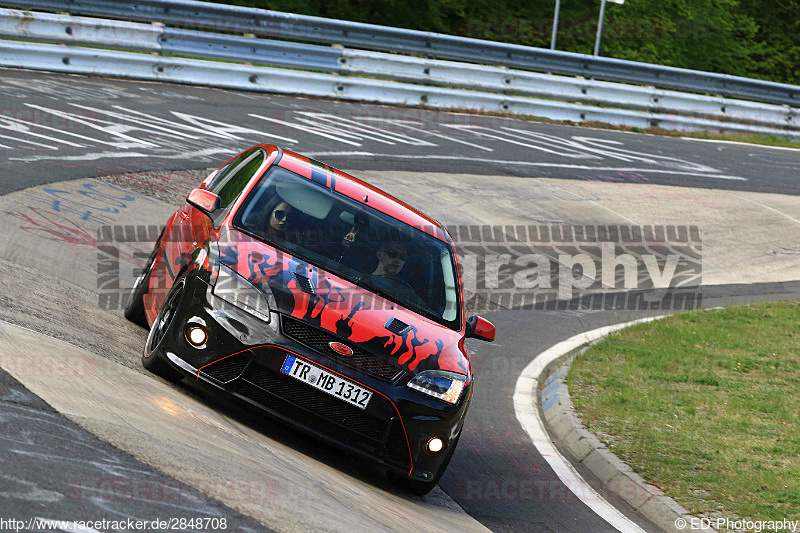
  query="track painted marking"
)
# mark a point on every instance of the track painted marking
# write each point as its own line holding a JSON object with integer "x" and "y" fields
{"x": 105, "y": 126}
{"x": 366, "y": 130}
{"x": 16, "y": 125}
{"x": 528, "y": 415}
{"x": 415, "y": 127}
{"x": 164, "y": 127}
{"x": 601, "y": 206}
{"x": 203, "y": 127}
{"x": 550, "y": 165}
{"x": 333, "y": 129}
{"x": 504, "y": 136}
{"x": 305, "y": 128}
{"x": 329, "y": 154}
{"x": 23, "y": 141}
{"x": 122, "y": 155}
{"x": 228, "y": 130}
{"x": 765, "y": 207}
{"x": 601, "y": 146}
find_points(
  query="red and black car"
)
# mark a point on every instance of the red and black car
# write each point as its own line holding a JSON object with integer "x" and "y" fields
{"x": 320, "y": 299}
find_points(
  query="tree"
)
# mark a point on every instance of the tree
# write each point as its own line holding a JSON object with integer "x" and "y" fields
{"x": 754, "y": 38}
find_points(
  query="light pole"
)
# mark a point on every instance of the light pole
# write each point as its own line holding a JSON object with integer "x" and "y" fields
{"x": 600, "y": 23}
{"x": 555, "y": 25}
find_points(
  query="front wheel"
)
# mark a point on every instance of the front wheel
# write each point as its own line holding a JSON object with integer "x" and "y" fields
{"x": 151, "y": 360}
{"x": 134, "y": 307}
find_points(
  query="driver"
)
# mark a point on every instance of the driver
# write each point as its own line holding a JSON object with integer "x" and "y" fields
{"x": 391, "y": 259}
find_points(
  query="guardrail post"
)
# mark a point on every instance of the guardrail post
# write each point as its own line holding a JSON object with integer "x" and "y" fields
{"x": 599, "y": 28}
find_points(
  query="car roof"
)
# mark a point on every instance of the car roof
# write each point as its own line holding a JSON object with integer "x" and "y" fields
{"x": 360, "y": 191}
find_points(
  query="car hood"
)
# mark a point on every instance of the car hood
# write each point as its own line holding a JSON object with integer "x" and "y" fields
{"x": 298, "y": 288}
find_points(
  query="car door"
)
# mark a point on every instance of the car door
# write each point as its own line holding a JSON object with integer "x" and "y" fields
{"x": 190, "y": 228}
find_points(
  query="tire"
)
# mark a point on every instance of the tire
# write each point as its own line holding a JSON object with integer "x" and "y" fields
{"x": 151, "y": 359}
{"x": 134, "y": 307}
{"x": 421, "y": 488}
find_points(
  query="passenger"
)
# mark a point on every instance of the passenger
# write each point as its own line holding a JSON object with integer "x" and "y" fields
{"x": 279, "y": 217}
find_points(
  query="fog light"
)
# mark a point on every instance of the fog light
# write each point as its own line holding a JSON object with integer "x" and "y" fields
{"x": 196, "y": 335}
{"x": 435, "y": 445}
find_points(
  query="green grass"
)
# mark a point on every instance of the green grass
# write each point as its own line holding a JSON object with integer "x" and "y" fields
{"x": 750, "y": 138}
{"x": 705, "y": 405}
{"x": 754, "y": 138}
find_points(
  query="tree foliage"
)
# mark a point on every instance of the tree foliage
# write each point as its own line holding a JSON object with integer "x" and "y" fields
{"x": 753, "y": 38}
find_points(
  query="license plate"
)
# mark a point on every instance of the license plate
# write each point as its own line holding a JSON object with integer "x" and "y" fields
{"x": 321, "y": 379}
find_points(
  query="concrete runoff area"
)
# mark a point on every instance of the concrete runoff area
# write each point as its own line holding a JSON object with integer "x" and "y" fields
{"x": 51, "y": 250}
{"x": 746, "y": 237}
{"x": 51, "y": 235}
{"x": 196, "y": 444}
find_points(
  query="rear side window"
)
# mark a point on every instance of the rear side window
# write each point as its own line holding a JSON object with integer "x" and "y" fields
{"x": 219, "y": 179}
{"x": 234, "y": 178}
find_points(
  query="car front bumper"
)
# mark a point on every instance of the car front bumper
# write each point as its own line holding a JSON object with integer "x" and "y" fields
{"x": 243, "y": 357}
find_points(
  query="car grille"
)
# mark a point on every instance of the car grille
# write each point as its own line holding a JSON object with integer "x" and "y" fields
{"x": 297, "y": 414}
{"x": 329, "y": 416}
{"x": 397, "y": 446}
{"x": 228, "y": 368}
{"x": 319, "y": 339}
{"x": 318, "y": 402}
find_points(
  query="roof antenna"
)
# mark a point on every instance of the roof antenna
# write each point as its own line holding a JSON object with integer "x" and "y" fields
{"x": 366, "y": 198}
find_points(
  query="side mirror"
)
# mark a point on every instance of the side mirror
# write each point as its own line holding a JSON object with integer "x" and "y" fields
{"x": 204, "y": 200}
{"x": 480, "y": 328}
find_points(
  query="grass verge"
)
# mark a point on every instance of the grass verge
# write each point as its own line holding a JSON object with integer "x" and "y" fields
{"x": 705, "y": 405}
{"x": 755, "y": 138}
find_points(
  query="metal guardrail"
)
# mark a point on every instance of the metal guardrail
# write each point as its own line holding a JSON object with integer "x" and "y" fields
{"x": 147, "y": 37}
{"x": 460, "y": 85}
{"x": 95, "y": 61}
{"x": 235, "y": 48}
{"x": 274, "y": 24}
{"x": 525, "y": 83}
{"x": 79, "y": 30}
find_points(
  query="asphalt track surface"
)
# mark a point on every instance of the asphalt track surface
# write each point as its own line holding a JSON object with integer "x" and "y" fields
{"x": 54, "y": 470}
{"x": 55, "y": 128}
{"x": 59, "y": 127}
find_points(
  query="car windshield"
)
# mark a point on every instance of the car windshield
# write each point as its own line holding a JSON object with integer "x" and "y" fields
{"x": 357, "y": 242}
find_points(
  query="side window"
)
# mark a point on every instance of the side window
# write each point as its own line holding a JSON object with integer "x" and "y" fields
{"x": 219, "y": 180}
{"x": 213, "y": 185}
{"x": 235, "y": 178}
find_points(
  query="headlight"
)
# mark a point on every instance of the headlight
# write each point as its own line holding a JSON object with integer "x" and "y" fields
{"x": 446, "y": 386}
{"x": 237, "y": 291}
